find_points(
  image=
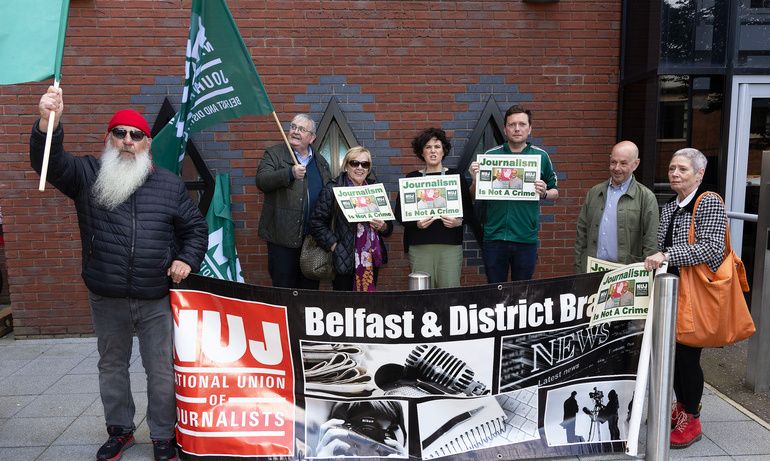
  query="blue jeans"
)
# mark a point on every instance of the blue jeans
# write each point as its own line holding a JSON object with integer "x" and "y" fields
{"x": 499, "y": 255}
{"x": 115, "y": 320}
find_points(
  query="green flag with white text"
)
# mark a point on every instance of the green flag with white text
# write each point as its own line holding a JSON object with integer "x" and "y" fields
{"x": 221, "y": 259}
{"x": 32, "y": 39}
{"x": 221, "y": 82}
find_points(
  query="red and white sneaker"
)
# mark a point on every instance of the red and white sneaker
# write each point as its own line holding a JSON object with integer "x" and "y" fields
{"x": 686, "y": 432}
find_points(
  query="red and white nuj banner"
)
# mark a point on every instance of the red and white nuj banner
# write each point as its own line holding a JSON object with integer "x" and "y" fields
{"x": 234, "y": 376}
{"x": 505, "y": 371}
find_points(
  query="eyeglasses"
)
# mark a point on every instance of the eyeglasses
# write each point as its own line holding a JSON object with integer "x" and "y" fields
{"x": 355, "y": 164}
{"x": 120, "y": 133}
{"x": 301, "y": 129}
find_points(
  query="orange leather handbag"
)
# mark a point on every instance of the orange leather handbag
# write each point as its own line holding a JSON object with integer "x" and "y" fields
{"x": 712, "y": 311}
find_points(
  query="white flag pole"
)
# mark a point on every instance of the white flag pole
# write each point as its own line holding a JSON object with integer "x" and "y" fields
{"x": 48, "y": 138}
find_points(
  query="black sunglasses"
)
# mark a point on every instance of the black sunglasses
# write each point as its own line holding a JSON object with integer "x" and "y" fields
{"x": 120, "y": 133}
{"x": 356, "y": 164}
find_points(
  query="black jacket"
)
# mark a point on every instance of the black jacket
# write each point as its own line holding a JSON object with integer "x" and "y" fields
{"x": 344, "y": 233}
{"x": 126, "y": 251}
{"x": 436, "y": 233}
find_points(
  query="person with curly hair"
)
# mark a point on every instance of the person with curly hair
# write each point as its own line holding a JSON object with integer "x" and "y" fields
{"x": 435, "y": 243}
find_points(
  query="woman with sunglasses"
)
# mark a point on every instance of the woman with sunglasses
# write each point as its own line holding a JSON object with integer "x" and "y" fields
{"x": 357, "y": 248}
{"x": 435, "y": 243}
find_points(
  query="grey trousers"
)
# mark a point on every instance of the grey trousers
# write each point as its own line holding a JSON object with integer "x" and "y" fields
{"x": 115, "y": 320}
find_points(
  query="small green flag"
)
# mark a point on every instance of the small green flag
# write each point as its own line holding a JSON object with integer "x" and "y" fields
{"x": 221, "y": 259}
{"x": 221, "y": 82}
{"x": 32, "y": 39}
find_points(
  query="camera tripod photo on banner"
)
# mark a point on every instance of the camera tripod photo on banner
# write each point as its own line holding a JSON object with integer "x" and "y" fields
{"x": 588, "y": 412}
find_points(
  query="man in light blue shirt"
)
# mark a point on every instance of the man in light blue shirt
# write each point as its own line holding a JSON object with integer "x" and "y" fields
{"x": 608, "y": 226}
{"x": 619, "y": 219}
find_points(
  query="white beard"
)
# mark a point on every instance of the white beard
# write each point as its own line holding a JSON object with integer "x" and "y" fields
{"x": 120, "y": 176}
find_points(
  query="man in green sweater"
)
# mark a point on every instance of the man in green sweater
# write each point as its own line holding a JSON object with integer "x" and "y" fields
{"x": 510, "y": 226}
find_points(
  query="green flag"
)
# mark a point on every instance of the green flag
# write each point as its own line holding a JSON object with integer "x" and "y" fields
{"x": 221, "y": 259}
{"x": 31, "y": 39}
{"x": 221, "y": 82}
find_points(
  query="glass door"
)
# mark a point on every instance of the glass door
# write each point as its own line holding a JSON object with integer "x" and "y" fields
{"x": 749, "y": 138}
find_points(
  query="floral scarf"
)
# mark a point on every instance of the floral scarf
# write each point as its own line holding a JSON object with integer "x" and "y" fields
{"x": 368, "y": 253}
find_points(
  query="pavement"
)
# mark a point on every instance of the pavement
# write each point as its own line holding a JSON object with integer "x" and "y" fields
{"x": 50, "y": 407}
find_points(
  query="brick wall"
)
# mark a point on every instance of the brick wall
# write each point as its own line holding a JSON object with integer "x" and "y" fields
{"x": 4, "y": 292}
{"x": 394, "y": 67}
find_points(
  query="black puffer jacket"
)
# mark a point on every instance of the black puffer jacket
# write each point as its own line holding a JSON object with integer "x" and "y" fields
{"x": 344, "y": 234}
{"x": 127, "y": 251}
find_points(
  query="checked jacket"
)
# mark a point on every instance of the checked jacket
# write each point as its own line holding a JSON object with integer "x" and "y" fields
{"x": 710, "y": 227}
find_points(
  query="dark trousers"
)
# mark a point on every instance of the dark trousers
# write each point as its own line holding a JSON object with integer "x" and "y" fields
{"x": 499, "y": 255}
{"x": 688, "y": 377}
{"x": 347, "y": 282}
{"x": 283, "y": 266}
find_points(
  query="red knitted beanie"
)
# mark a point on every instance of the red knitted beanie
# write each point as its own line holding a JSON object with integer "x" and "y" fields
{"x": 130, "y": 118}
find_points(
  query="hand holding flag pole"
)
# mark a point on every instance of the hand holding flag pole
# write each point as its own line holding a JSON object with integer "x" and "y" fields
{"x": 285, "y": 139}
{"x": 48, "y": 137}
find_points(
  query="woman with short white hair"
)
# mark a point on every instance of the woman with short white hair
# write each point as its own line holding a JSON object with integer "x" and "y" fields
{"x": 685, "y": 173}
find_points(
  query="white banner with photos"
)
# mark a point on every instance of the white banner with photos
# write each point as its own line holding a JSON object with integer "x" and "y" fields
{"x": 427, "y": 196}
{"x": 624, "y": 294}
{"x": 364, "y": 203}
{"x": 507, "y": 177}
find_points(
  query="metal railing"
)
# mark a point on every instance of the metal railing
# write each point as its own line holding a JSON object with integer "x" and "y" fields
{"x": 742, "y": 216}
{"x": 660, "y": 397}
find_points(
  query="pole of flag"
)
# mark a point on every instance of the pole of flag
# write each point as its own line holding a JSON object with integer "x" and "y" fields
{"x": 48, "y": 138}
{"x": 285, "y": 139}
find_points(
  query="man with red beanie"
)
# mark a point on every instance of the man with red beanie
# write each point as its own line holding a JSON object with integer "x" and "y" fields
{"x": 139, "y": 231}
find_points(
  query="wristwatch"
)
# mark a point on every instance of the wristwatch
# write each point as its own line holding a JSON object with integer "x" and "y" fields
{"x": 545, "y": 194}
{"x": 665, "y": 256}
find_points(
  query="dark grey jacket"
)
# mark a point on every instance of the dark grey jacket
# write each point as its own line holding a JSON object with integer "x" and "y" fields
{"x": 283, "y": 212}
{"x": 344, "y": 234}
{"x": 126, "y": 251}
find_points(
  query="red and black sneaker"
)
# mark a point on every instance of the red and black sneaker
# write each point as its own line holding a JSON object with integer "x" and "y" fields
{"x": 119, "y": 440}
{"x": 163, "y": 450}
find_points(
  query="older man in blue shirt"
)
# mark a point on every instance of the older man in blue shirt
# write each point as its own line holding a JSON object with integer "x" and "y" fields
{"x": 291, "y": 189}
{"x": 619, "y": 218}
